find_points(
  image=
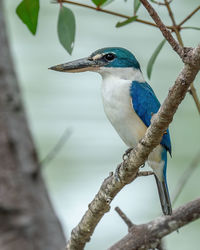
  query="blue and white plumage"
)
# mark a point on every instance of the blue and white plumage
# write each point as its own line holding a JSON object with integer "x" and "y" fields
{"x": 129, "y": 103}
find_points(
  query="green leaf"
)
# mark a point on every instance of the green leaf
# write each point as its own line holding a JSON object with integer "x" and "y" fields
{"x": 107, "y": 2}
{"x": 28, "y": 11}
{"x": 136, "y": 6}
{"x": 192, "y": 28}
{"x": 129, "y": 20}
{"x": 66, "y": 28}
{"x": 153, "y": 58}
{"x": 98, "y": 3}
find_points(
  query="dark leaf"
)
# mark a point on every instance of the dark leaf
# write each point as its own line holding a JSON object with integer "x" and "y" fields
{"x": 153, "y": 58}
{"x": 66, "y": 28}
{"x": 137, "y": 4}
{"x": 108, "y": 2}
{"x": 98, "y": 3}
{"x": 28, "y": 11}
{"x": 129, "y": 20}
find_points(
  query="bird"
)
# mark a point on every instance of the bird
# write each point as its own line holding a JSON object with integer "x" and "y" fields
{"x": 129, "y": 103}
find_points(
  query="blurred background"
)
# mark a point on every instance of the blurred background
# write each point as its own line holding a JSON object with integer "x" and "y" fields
{"x": 56, "y": 102}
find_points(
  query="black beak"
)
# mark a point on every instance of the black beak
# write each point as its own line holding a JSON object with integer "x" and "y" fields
{"x": 81, "y": 65}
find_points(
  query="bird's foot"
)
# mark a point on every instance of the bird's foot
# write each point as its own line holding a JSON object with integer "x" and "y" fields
{"x": 126, "y": 154}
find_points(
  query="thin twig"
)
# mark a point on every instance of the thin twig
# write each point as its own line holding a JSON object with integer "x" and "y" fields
{"x": 166, "y": 33}
{"x": 190, "y": 27}
{"x": 160, "y": 3}
{"x": 192, "y": 89}
{"x": 186, "y": 176}
{"x": 124, "y": 217}
{"x": 112, "y": 13}
{"x": 171, "y": 40}
{"x": 170, "y": 12}
{"x": 189, "y": 16}
{"x": 57, "y": 147}
{"x": 174, "y": 22}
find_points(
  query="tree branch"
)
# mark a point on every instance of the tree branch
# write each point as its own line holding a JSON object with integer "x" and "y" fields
{"x": 111, "y": 13}
{"x": 189, "y": 16}
{"x": 192, "y": 89}
{"x": 148, "y": 236}
{"x": 128, "y": 169}
{"x": 174, "y": 23}
{"x": 167, "y": 4}
{"x": 177, "y": 47}
{"x": 124, "y": 217}
{"x": 166, "y": 33}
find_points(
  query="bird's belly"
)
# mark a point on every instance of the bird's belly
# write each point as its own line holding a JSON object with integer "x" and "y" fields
{"x": 119, "y": 110}
{"x": 125, "y": 121}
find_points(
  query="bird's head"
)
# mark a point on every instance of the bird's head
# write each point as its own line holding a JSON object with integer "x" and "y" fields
{"x": 101, "y": 60}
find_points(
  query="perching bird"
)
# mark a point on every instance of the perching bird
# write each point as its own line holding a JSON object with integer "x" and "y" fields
{"x": 129, "y": 103}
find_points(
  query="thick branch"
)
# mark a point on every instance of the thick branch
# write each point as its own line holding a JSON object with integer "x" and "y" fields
{"x": 148, "y": 236}
{"x": 127, "y": 171}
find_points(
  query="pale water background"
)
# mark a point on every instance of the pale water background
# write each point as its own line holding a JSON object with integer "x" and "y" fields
{"x": 56, "y": 101}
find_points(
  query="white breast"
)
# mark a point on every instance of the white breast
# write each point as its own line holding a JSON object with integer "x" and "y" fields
{"x": 118, "y": 108}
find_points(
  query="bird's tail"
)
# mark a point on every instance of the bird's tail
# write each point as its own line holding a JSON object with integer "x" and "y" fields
{"x": 164, "y": 196}
{"x": 163, "y": 188}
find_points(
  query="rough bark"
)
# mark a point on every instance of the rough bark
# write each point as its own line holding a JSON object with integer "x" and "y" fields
{"x": 148, "y": 236}
{"x": 27, "y": 218}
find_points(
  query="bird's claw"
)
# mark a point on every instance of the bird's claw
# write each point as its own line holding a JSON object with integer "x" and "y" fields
{"x": 127, "y": 153}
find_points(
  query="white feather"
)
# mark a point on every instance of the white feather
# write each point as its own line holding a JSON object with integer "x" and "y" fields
{"x": 119, "y": 110}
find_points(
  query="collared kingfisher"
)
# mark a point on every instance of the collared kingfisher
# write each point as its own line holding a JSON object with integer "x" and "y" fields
{"x": 129, "y": 103}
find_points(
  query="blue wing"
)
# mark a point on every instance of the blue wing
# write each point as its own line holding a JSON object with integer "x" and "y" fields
{"x": 145, "y": 103}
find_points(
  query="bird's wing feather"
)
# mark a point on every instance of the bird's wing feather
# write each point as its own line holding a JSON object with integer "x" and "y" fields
{"x": 145, "y": 104}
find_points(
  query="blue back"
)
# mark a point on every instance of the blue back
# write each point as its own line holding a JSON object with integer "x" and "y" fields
{"x": 145, "y": 103}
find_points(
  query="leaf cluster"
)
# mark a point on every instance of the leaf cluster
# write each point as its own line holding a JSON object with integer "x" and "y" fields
{"x": 28, "y": 11}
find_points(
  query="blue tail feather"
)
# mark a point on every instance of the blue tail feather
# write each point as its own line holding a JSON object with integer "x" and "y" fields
{"x": 163, "y": 188}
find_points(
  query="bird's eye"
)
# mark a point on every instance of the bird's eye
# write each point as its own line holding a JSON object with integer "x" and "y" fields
{"x": 109, "y": 57}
